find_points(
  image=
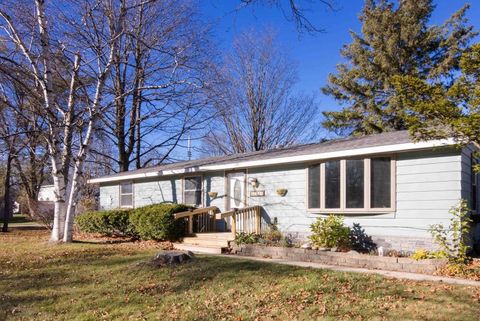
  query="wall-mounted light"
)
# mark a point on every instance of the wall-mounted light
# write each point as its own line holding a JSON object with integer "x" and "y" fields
{"x": 254, "y": 182}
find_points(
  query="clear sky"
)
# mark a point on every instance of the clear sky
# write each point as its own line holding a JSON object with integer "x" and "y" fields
{"x": 316, "y": 55}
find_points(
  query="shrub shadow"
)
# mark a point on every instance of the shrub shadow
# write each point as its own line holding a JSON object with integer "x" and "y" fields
{"x": 360, "y": 240}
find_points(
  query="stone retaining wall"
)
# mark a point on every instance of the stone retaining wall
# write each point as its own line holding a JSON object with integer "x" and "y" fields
{"x": 350, "y": 259}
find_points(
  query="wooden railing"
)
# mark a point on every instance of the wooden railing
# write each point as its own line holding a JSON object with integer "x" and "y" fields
{"x": 247, "y": 220}
{"x": 200, "y": 220}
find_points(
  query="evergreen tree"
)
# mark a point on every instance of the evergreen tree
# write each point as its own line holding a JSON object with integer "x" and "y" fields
{"x": 395, "y": 40}
{"x": 436, "y": 110}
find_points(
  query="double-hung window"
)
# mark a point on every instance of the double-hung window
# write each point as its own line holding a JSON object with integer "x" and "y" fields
{"x": 126, "y": 194}
{"x": 352, "y": 185}
{"x": 192, "y": 190}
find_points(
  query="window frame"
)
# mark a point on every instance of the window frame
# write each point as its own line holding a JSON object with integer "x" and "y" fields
{"x": 202, "y": 198}
{"x": 367, "y": 187}
{"x": 122, "y": 194}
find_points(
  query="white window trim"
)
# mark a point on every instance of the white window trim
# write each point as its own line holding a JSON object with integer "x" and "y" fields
{"x": 367, "y": 188}
{"x": 121, "y": 194}
{"x": 202, "y": 198}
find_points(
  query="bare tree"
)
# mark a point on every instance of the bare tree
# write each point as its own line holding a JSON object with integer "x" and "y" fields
{"x": 295, "y": 11}
{"x": 255, "y": 99}
{"x": 8, "y": 149}
{"x": 22, "y": 131}
{"x": 156, "y": 83}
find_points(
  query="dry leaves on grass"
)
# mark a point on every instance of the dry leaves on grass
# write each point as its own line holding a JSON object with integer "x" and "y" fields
{"x": 470, "y": 271}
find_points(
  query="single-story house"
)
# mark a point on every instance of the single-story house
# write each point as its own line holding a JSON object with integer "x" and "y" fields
{"x": 393, "y": 187}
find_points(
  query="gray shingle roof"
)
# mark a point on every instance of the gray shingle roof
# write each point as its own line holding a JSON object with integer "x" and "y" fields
{"x": 351, "y": 143}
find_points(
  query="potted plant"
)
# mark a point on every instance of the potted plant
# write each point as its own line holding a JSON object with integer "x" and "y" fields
{"x": 212, "y": 194}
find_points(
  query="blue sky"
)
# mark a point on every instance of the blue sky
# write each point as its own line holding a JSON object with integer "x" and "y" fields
{"x": 316, "y": 55}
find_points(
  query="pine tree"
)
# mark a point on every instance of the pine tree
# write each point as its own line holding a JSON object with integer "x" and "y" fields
{"x": 395, "y": 40}
{"x": 436, "y": 110}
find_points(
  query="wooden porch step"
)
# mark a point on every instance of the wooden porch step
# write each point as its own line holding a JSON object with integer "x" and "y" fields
{"x": 198, "y": 248}
{"x": 208, "y": 239}
{"x": 213, "y": 236}
{"x": 205, "y": 242}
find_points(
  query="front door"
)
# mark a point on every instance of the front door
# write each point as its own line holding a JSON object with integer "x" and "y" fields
{"x": 236, "y": 193}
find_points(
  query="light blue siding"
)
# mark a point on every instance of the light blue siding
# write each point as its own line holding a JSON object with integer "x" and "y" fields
{"x": 214, "y": 182}
{"x": 109, "y": 196}
{"x": 428, "y": 184}
{"x": 157, "y": 191}
{"x": 290, "y": 210}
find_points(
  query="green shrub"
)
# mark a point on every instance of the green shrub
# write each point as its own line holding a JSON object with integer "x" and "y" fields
{"x": 453, "y": 240}
{"x": 246, "y": 238}
{"x": 330, "y": 232}
{"x": 108, "y": 223}
{"x": 157, "y": 222}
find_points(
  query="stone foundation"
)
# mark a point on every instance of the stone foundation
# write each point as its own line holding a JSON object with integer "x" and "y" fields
{"x": 351, "y": 259}
{"x": 404, "y": 243}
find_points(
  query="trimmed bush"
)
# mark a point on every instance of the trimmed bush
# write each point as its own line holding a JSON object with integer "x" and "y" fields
{"x": 330, "y": 232}
{"x": 109, "y": 223}
{"x": 156, "y": 222}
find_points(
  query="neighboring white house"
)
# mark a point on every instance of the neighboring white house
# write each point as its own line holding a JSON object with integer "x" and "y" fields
{"x": 394, "y": 188}
{"x": 46, "y": 193}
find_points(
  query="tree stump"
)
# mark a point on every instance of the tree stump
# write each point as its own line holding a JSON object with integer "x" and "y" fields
{"x": 169, "y": 258}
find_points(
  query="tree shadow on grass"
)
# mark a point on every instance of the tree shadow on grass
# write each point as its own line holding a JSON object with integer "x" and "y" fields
{"x": 9, "y": 304}
{"x": 104, "y": 242}
{"x": 205, "y": 269}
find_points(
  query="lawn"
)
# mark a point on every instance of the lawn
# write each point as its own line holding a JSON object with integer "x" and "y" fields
{"x": 84, "y": 281}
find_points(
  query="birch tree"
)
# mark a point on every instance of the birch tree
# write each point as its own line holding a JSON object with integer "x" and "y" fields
{"x": 70, "y": 43}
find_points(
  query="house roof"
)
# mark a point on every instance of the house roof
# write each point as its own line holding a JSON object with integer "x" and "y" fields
{"x": 372, "y": 144}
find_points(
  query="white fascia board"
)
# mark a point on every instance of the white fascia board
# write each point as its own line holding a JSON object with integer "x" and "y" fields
{"x": 142, "y": 175}
{"x": 336, "y": 154}
{"x": 284, "y": 160}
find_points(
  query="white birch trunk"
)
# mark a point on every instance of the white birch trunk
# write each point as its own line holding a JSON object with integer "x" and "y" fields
{"x": 59, "y": 208}
{"x": 70, "y": 208}
{"x": 82, "y": 153}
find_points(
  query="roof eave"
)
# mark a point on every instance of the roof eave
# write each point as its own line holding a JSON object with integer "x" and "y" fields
{"x": 284, "y": 160}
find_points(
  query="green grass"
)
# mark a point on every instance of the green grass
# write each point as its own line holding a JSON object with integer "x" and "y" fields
{"x": 80, "y": 281}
